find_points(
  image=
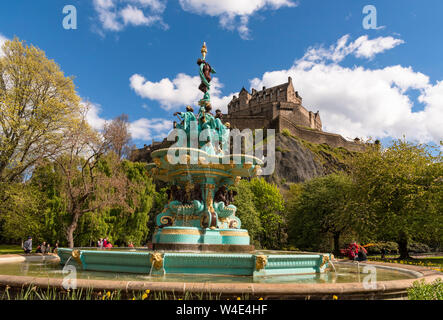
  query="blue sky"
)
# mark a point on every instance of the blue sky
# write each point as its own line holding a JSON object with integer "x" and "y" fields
{"x": 138, "y": 57}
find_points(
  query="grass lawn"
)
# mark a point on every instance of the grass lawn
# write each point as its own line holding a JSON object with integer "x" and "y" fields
{"x": 10, "y": 249}
{"x": 433, "y": 262}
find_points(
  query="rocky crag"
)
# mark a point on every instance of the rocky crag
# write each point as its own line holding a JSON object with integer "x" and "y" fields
{"x": 297, "y": 160}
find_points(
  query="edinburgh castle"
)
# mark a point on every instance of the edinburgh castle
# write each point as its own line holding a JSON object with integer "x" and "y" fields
{"x": 281, "y": 108}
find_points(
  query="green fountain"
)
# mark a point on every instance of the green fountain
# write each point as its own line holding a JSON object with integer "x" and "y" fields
{"x": 198, "y": 231}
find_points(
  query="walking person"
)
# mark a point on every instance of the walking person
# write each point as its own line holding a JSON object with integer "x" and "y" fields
{"x": 27, "y": 245}
{"x": 383, "y": 253}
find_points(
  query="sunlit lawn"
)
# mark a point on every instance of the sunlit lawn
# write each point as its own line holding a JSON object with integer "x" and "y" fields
{"x": 434, "y": 262}
{"x": 10, "y": 249}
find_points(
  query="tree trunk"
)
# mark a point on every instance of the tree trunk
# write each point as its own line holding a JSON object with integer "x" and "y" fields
{"x": 337, "y": 244}
{"x": 72, "y": 227}
{"x": 403, "y": 247}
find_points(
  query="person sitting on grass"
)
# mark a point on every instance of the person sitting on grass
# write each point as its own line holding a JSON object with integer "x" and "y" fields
{"x": 54, "y": 250}
{"x": 361, "y": 255}
{"x": 43, "y": 247}
{"x": 27, "y": 246}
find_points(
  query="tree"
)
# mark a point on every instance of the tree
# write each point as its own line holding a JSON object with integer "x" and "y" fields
{"x": 247, "y": 212}
{"x": 92, "y": 180}
{"x": 318, "y": 208}
{"x": 20, "y": 212}
{"x": 269, "y": 203}
{"x": 132, "y": 225}
{"x": 117, "y": 135}
{"x": 400, "y": 192}
{"x": 36, "y": 103}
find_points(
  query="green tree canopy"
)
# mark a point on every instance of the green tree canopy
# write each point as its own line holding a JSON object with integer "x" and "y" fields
{"x": 318, "y": 209}
{"x": 269, "y": 203}
{"x": 247, "y": 212}
{"x": 400, "y": 193}
{"x": 37, "y": 102}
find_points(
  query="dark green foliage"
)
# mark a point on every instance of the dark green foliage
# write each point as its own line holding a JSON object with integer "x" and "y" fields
{"x": 38, "y": 208}
{"x": 247, "y": 212}
{"x": 400, "y": 194}
{"x": 320, "y": 210}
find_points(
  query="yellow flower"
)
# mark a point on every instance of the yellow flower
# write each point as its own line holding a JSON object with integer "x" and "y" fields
{"x": 334, "y": 297}
{"x": 238, "y": 298}
{"x": 180, "y": 299}
{"x": 133, "y": 298}
{"x": 260, "y": 299}
{"x": 144, "y": 296}
{"x": 108, "y": 294}
{"x": 147, "y": 291}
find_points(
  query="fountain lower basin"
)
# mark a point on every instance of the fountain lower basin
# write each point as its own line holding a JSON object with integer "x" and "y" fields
{"x": 161, "y": 263}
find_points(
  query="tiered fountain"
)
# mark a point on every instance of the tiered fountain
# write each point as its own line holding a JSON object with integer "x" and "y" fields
{"x": 198, "y": 231}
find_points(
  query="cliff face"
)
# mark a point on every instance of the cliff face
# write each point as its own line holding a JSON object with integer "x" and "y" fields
{"x": 297, "y": 160}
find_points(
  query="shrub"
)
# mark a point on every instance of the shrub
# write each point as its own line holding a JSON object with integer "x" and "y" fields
{"x": 390, "y": 247}
{"x": 426, "y": 291}
{"x": 418, "y": 247}
{"x": 286, "y": 132}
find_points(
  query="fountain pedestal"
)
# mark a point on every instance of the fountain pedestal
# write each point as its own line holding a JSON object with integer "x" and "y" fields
{"x": 193, "y": 219}
{"x": 198, "y": 239}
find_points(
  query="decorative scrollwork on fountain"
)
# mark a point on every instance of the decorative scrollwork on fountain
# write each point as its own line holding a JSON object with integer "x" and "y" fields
{"x": 167, "y": 221}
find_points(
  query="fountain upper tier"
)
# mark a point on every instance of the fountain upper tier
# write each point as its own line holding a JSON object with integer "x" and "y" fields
{"x": 182, "y": 165}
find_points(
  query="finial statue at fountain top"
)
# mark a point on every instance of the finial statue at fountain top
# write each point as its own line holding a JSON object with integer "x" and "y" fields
{"x": 204, "y": 50}
{"x": 205, "y": 75}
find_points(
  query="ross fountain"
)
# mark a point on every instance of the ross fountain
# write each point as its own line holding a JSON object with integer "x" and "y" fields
{"x": 198, "y": 231}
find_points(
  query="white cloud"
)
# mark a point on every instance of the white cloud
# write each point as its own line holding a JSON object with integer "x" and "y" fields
{"x": 107, "y": 14}
{"x": 134, "y": 16}
{"x": 92, "y": 116}
{"x": 114, "y": 15}
{"x": 233, "y": 14}
{"x": 3, "y": 39}
{"x": 141, "y": 129}
{"x": 148, "y": 129}
{"x": 360, "y": 48}
{"x": 365, "y": 48}
{"x": 364, "y": 102}
{"x": 182, "y": 90}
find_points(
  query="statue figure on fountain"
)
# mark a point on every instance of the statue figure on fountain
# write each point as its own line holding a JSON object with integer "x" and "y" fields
{"x": 205, "y": 71}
